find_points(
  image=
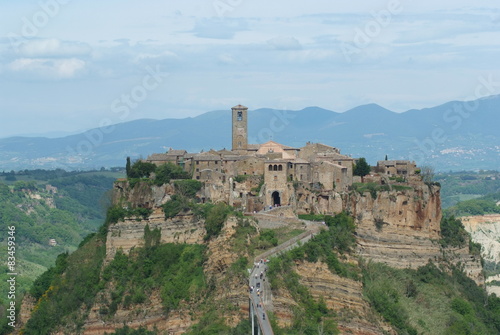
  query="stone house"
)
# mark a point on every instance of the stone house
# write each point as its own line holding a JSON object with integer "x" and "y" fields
{"x": 281, "y": 167}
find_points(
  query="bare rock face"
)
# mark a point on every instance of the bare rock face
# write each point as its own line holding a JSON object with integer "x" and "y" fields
{"x": 149, "y": 315}
{"x": 398, "y": 228}
{"x": 142, "y": 194}
{"x": 401, "y": 228}
{"x": 343, "y": 295}
{"x": 485, "y": 229}
{"x": 130, "y": 233}
{"x": 231, "y": 290}
{"x": 27, "y": 306}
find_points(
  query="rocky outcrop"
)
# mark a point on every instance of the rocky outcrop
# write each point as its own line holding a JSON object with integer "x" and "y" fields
{"x": 130, "y": 233}
{"x": 485, "y": 229}
{"x": 401, "y": 228}
{"x": 343, "y": 295}
{"x": 142, "y": 194}
{"x": 231, "y": 289}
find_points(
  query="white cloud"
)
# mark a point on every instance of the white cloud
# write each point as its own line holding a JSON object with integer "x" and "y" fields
{"x": 48, "y": 68}
{"x": 285, "y": 43}
{"x": 165, "y": 56}
{"x": 53, "y": 47}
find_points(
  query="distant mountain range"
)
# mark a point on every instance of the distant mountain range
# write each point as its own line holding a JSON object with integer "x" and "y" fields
{"x": 454, "y": 136}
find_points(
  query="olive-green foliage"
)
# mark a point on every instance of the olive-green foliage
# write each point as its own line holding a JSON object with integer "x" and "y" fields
{"x": 385, "y": 299}
{"x": 118, "y": 213}
{"x": 215, "y": 218}
{"x": 175, "y": 205}
{"x": 181, "y": 201}
{"x": 211, "y": 323}
{"x": 175, "y": 269}
{"x": 268, "y": 238}
{"x": 257, "y": 189}
{"x": 484, "y": 205}
{"x": 361, "y": 168}
{"x": 165, "y": 172}
{"x": 312, "y": 217}
{"x": 25, "y": 185}
{"x": 339, "y": 238}
{"x": 141, "y": 169}
{"x": 463, "y": 185}
{"x": 151, "y": 237}
{"x": 78, "y": 212}
{"x": 69, "y": 293}
{"x": 188, "y": 187}
{"x": 373, "y": 188}
{"x": 453, "y": 233}
{"x": 129, "y": 331}
{"x": 309, "y": 313}
{"x": 43, "y": 282}
{"x": 341, "y": 231}
{"x": 429, "y": 301}
{"x": 240, "y": 240}
{"x": 240, "y": 178}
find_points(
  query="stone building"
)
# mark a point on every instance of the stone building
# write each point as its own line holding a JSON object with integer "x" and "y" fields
{"x": 397, "y": 167}
{"x": 256, "y": 176}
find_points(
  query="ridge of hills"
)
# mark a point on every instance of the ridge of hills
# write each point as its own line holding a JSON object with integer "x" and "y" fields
{"x": 452, "y": 136}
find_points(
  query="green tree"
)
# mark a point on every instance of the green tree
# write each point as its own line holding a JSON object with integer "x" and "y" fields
{"x": 361, "y": 168}
{"x": 128, "y": 167}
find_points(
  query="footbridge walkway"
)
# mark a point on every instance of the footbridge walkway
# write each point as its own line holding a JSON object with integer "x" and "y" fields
{"x": 260, "y": 298}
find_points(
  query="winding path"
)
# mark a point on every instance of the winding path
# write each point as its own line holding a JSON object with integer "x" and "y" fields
{"x": 259, "y": 296}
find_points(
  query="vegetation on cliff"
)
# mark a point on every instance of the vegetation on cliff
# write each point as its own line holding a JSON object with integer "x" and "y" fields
{"x": 162, "y": 174}
{"x": 466, "y": 185}
{"x": 480, "y": 206}
{"x": 430, "y": 300}
{"x": 44, "y": 205}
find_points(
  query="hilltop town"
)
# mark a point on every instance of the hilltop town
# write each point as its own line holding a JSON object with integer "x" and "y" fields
{"x": 277, "y": 174}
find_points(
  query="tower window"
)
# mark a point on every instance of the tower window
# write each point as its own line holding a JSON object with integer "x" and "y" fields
{"x": 240, "y": 116}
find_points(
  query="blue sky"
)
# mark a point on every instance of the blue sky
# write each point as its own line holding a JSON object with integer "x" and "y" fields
{"x": 72, "y": 65}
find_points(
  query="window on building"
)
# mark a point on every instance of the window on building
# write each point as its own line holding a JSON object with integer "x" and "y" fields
{"x": 240, "y": 116}
{"x": 280, "y": 167}
{"x": 197, "y": 162}
{"x": 197, "y": 170}
{"x": 275, "y": 167}
{"x": 270, "y": 167}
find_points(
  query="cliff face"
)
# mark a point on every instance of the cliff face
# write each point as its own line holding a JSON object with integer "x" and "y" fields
{"x": 344, "y": 296}
{"x": 402, "y": 228}
{"x": 397, "y": 227}
{"x": 485, "y": 229}
{"x": 128, "y": 234}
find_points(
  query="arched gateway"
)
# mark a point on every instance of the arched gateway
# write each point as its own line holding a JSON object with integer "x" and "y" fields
{"x": 276, "y": 198}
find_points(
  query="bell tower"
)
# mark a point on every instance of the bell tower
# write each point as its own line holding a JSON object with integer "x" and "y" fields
{"x": 240, "y": 126}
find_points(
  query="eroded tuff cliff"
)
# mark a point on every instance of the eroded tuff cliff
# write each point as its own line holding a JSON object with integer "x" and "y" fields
{"x": 343, "y": 295}
{"x": 485, "y": 229}
{"x": 398, "y": 227}
{"x": 402, "y": 228}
